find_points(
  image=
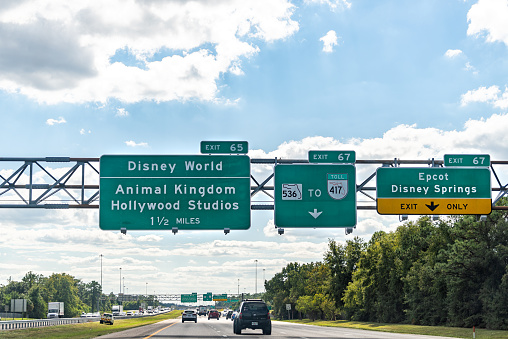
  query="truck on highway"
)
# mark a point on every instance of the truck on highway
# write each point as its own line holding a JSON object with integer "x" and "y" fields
{"x": 55, "y": 310}
{"x": 202, "y": 310}
{"x": 117, "y": 310}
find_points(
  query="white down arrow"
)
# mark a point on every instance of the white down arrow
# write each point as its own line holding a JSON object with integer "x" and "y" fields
{"x": 315, "y": 214}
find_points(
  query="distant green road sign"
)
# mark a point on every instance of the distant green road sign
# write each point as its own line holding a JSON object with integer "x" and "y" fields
{"x": 335, "y": 157}
{"x": 433, "y": 190}
{"x": 207, "y": 296}
{"x": 189, "y": 298}
{"x": 224, "y": 147}
{"x": 220, "y": 297}
{"x": 315, "y": 195}
{"x": 467, "y": 160}
{"x": 159, "y": 192}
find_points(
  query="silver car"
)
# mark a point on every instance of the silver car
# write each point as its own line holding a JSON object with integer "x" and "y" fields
{"x": 189, "y": 315}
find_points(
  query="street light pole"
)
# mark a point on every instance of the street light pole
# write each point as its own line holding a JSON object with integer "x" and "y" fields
{"x": 264, "y": 280}
{"x": 256, "y": 289}
{"x": 238, "y": 286}
{"x": 146, "y": 292}
{"x": 120, "y": 280}
{"x": 100, "y": 290}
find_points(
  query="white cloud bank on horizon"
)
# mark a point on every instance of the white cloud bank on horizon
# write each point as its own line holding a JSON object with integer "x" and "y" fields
{"x": 180, "y": 48}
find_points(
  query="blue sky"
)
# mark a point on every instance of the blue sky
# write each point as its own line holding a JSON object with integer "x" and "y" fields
{"x": 406, "y": 79}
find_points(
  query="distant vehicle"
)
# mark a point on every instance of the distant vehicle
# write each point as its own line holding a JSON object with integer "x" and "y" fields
{"x": 202, "y": 310}
{"x": 130, "y": 313}
{"x": 107, "y": 318}
{"x": 253, "y": 314}
{"x": 213, "y": 314}
{"x": 55, "y": 310}
{"x": 189, "y": 315}
{"x": 229, "y": 314}
{"x": 117, "y": 310}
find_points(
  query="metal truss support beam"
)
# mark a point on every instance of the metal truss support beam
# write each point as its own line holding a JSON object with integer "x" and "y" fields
{"x": 66, "y": 182}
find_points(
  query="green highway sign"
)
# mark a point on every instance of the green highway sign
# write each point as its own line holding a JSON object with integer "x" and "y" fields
{"x": 189, "y": 298}
{"x": 433, "y": 190}
{"x": 189, "y": 192}
{"x": 224, "y": 147}
{"x": 467, "y": 160}
{"x": 336, "y": 157}
{"x": 315, "y": 195}
{"x": 220, "y": 297}
{"x": 207, "y": 296}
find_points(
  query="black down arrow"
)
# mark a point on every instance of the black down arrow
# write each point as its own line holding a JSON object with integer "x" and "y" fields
{"x": 432, "y": 207}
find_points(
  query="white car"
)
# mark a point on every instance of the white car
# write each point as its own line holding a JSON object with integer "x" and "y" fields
{"x": 189, "y": 315}
{"x": 130, "y": 313}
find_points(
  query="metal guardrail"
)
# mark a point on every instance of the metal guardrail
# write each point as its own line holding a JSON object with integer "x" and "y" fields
{"x": 24, "y": 324}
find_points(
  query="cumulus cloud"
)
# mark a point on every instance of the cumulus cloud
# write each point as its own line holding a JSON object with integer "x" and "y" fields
{"x": 83, "y": 131}
{"x": 58, "y": 121}
{"x": 329, "y": 40}
{"x": 488, "y": 18}
{"x": 59, "y": 51}
{"x": 121, "y": 112}
{"x": 131, "y": 143}
{"x": 452, "y": 53}
{"x": 333, "y": 4}
{"x": 491, "y": 95}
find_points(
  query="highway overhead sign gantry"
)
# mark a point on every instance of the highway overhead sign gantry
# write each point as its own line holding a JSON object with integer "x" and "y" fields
{"x": 315, "y": 195}
{"x": 161, "y": 192}
{"x": 207, "y": 296}
{"x": 433, "y": 190}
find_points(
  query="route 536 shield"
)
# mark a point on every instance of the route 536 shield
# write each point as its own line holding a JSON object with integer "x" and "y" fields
{"x": 337, "y": 185}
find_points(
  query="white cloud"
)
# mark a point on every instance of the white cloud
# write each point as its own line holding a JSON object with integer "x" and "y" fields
{"x": 150, "y": 238}
{"x": 131, "y": 143}
{"x": 452, "y": 53}
{"x": 83, "y": 131}
{"x": 122, "y": 112}
{"x": 491, "y": 95}
{"x": 52, "y": 122}
{"x": 79, "y": 47}
{"x": 488, "y": 18}
{"x": 329, "y": 40}
{"x": 334, "y": 4}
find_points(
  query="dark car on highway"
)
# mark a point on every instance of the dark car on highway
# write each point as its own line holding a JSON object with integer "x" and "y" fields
{"x": 253, "y": 314}
{"x": 213, "y": 314}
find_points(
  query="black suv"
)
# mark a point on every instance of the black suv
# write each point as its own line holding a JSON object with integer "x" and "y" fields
{"x": 253, "y": 314}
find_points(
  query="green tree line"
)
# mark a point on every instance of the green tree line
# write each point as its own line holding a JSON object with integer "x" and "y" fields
{"x": 448, "y": 272}
{"x": 78, "y": 296}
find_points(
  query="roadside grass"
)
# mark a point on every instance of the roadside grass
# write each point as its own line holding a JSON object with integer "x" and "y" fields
{"x": 87, "y": 330}
{"x": 442, "y": 331}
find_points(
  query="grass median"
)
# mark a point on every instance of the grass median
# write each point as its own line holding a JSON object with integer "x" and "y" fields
{"x": 87, "y": 330}
{"x": 455, "y": 332}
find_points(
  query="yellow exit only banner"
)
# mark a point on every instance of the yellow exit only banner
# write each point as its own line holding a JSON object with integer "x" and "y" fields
{"x": 433, "y": 206}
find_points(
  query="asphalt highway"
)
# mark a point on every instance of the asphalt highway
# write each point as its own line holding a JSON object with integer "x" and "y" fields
{"x": 215, "y": 329}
